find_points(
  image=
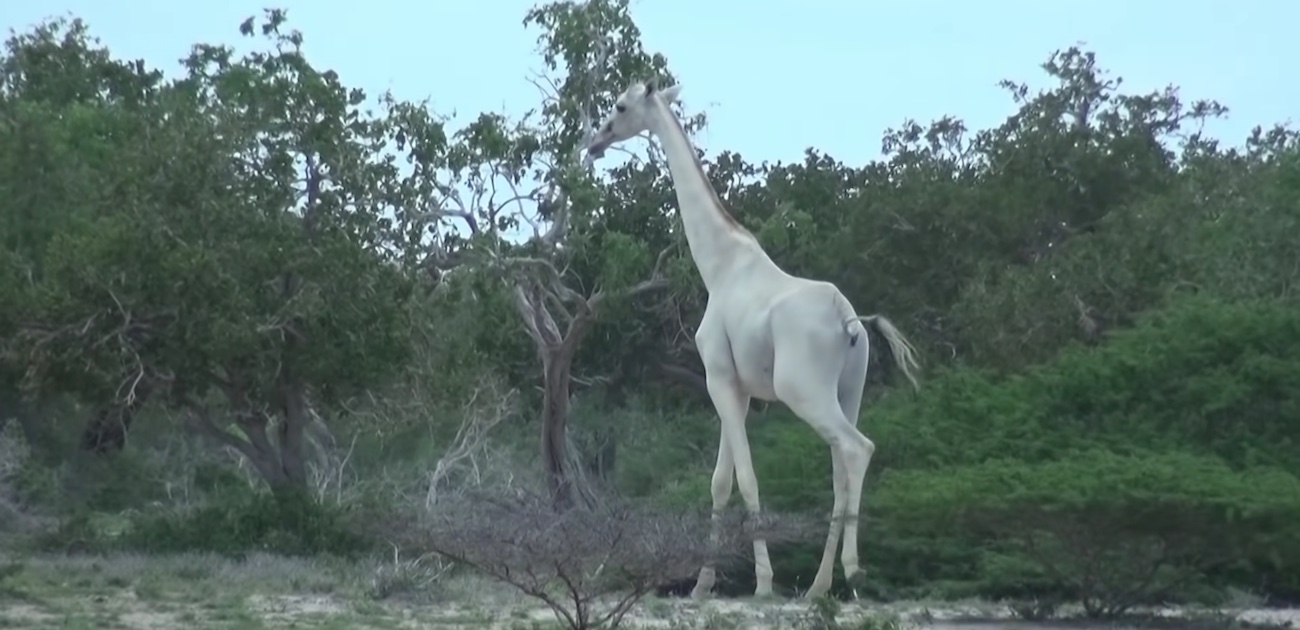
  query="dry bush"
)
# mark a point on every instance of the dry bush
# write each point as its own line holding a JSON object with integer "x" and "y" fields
{"x": 468, "y": 460}
{"x": 589, "y": 565}
{"x": 488, "y": 405}
{"x": 404, "y": 575}
{"x": 333, "y": 476}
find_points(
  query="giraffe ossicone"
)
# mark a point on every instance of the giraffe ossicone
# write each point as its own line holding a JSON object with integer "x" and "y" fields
{"x": 765, "y": 334}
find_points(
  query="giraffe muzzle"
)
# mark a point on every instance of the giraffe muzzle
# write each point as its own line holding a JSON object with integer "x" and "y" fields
{"x": 598, "y": 146}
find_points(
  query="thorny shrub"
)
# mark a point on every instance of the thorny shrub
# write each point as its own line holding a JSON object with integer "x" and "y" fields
{"x": 588, "y": 565}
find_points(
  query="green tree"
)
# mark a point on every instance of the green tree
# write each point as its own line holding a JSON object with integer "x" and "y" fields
{"x": 66, "y": 107}
{"x": 236, "y": 243}
{"x": 586, "y": 257}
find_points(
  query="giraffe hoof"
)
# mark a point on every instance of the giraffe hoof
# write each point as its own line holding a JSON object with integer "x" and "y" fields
{"x": 857, "y": 584}
{"x": 702, "y": 590}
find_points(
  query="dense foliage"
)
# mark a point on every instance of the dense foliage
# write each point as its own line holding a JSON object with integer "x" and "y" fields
{"x": 247, "y": 252}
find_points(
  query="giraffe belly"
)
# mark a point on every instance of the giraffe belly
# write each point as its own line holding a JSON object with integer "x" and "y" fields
{"x": 754, "y": 370}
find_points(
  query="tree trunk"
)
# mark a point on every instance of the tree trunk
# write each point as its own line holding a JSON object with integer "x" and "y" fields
{"x": 106, "y": 429}
{"x": 292, "y": 428}
{"x": 556, "y": 351}
{"x": 280, "y": 465}
{"x": 566, "y": 478}
{"x": 266, "y": 457}
{"x": 280, "y": 462}
{"x": 555, "y": 416}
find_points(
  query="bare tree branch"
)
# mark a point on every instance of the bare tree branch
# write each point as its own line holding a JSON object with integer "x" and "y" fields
{"x": 487, "y": 407}
{"x": 572, "y": 560}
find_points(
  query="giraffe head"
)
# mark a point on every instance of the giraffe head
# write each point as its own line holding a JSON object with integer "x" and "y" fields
{"x": 632, "y": 112}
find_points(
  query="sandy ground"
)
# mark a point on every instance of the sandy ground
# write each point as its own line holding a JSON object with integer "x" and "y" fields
{"x": 191, "y": 591}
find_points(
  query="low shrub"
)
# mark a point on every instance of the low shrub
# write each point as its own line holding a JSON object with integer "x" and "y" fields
{"x": 232, "y": 524}
{"x": 1111, "y": 531}
{"x": 288, "y": 523}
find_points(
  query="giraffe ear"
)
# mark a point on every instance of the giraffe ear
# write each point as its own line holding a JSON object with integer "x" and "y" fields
{"x": 671, "y": 93}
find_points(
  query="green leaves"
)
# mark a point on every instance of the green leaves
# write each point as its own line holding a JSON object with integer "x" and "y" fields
{"x": 222, "y": 229}
{"x": 598, "y": 45}
{"x": 626, "y": 259}
{"x": 1095, "y": 480}
{"x": 1113, "y": 530}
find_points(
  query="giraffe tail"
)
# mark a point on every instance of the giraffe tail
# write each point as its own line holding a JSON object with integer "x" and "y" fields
{"x": 901, "y": 349}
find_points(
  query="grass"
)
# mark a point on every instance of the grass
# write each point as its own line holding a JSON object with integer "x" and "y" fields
{"x": 189, "y": 591}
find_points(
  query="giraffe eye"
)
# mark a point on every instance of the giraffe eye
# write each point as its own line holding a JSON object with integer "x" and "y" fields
{"x": 620, "y": 108}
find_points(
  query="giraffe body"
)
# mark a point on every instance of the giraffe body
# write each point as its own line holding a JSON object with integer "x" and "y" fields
{"x": 765, "y": 334}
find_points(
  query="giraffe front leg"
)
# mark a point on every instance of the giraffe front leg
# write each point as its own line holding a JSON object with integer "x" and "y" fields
{"x": 723, "y": 473}
{"x": 732, "y": 404}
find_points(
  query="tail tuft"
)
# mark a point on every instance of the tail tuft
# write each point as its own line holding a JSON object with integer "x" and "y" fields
{"x": 899, "y": 346}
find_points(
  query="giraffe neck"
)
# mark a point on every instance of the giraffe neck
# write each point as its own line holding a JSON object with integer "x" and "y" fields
{"x": 717, "y": 241}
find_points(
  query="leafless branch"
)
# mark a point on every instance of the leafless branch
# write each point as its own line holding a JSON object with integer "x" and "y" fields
{"x": 441, "y": 213}
{"x": 487, "y": 407}
{"x": 329, "y": 471}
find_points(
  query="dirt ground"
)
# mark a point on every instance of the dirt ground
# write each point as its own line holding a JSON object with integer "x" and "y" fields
{"x": 192, "y": 591}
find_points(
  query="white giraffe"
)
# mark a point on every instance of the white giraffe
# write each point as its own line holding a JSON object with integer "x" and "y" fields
{"x": 765, "y": 334}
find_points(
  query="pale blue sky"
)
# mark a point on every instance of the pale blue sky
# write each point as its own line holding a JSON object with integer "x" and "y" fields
{"x": 775, "y": 77}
